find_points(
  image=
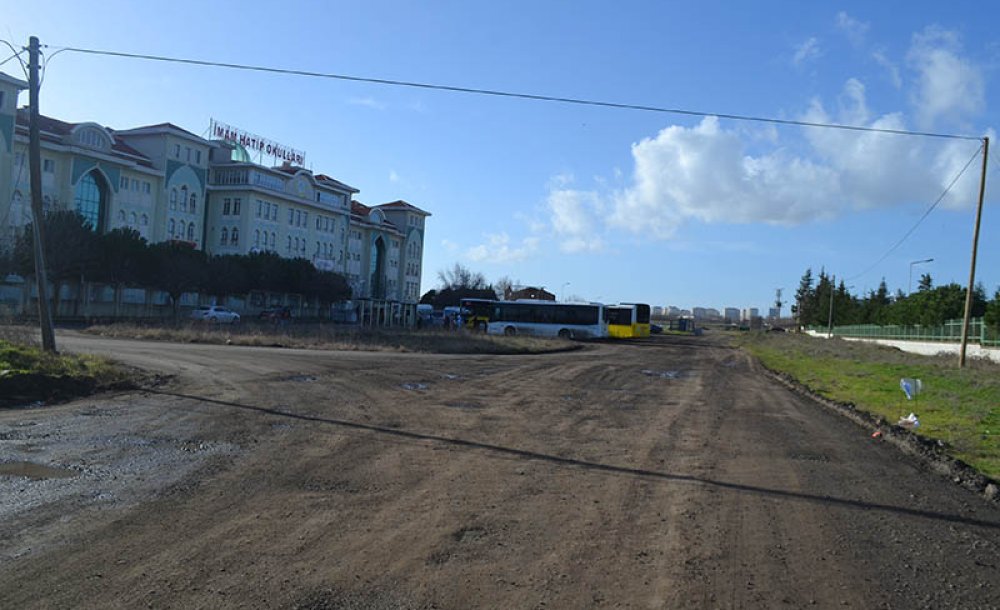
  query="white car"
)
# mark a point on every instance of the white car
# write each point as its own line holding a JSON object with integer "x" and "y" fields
{"x": 215, "y": 314}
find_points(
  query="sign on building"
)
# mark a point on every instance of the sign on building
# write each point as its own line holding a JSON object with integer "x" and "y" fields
{"x": 257, "y": 144}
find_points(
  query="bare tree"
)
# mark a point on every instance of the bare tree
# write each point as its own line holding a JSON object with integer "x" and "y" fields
{"x": 459, "y": 276}
{"x": 503, "y": 286}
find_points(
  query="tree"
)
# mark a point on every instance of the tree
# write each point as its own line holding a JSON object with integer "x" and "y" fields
{"x": 459, "y": 276}
{"x": 925, "y": 283}
{"x": 70, "y": 251}
{"x": 991, "y": 316}
{"x": 123, "y": 259}
{"x": 179, "y": 269}
{"x": 804, "y": 299}
{"x": 503, "y": 286}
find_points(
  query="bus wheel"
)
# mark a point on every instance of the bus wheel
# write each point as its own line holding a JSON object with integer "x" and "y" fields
{"x": 565, "y": 333}
{"x": 509, "y": 331}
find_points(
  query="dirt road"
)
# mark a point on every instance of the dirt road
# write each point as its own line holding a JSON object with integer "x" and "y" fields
{"x": 669, "y": 474}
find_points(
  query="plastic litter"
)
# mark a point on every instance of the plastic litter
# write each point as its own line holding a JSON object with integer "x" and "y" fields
{"x": 910, "y": 421}
{"x": 911, "y": 387}
{"x": 877, "y": 434}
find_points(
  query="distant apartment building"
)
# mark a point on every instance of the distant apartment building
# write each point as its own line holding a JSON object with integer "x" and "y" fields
{"x": 732, "y": 314}
{"x": 773, "y": 313}
{"x": 657, "y": 311}
{"x": 749, "y": 313}
{"x": 712, "y": 314}
{"x": 699, "y": 313}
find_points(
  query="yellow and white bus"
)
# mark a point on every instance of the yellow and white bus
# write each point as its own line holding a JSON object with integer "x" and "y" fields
{"x": 627, "y": 320}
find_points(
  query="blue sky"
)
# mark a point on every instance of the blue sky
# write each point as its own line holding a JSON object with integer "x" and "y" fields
{"x": 621, "y": 205}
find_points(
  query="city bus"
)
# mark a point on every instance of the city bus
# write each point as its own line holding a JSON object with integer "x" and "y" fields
{"x": 627, "y": 320}
{"x": 548, "y": 319}
{"x": 476, "y": 313}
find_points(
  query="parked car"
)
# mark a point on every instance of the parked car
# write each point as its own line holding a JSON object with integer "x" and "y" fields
{"x": 655, "y": 329}
{"x": 278, "y": 314}
{"x": 215, "y": 314}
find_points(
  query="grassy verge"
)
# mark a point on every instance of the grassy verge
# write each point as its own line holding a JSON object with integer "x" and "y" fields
{"x": 27, "y": 375}
{"x": 960, "y": 407}
{"x": 338, "y": 337}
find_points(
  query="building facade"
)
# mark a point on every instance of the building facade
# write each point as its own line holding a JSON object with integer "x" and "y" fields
{"x": 172, "y": 185}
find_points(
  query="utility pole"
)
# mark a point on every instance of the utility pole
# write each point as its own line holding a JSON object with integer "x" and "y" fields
{"x": 38, "y": 214}
{"x": 975, "y": 248}
{"x": 777, "y": 301}
{"x": 833, "y": 282}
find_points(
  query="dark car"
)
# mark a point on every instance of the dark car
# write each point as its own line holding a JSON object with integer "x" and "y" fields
{"x": 277, "y": 314}
{"x": 655, "y": 329}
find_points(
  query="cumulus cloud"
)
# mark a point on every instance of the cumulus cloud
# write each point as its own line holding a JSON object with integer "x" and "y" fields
{"x": 575, "y": 216}
{"x": 393, "y": 176}
{"x": 852, "y": 28}
{"x": 806, "y": 51}
{"x": 892, "y": 71}
{"x": 949, "y": 88}
{"x": 498, "y": 249}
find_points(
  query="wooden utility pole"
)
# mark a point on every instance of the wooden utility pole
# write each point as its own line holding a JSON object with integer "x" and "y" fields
{"x": 38, "y": 214}
{"x": 975, "y": 248}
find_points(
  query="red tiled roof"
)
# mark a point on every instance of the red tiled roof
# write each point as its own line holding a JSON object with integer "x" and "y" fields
{"x": 51, "y": 126}
{"x": 399, "y": 204}
{"x": 166, "y": 126}
{"x": 360, "y": 212}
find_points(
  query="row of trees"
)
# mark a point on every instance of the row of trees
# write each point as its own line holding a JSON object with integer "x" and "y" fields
{"x": 928, "y": 306}
{"x": 122, "y": 258}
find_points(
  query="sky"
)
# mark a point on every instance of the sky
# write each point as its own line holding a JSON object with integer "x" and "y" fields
{"x": 591, "y": 203}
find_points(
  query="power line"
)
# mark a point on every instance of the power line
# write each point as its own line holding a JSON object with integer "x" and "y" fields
{"x": 510, "y": 94}
{"x": 922, "y": 218}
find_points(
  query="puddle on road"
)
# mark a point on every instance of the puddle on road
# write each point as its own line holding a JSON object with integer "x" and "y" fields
{"x": 667, "y": 374}
{"x": 302, "y": 378}
{"x": 34, "y": 471}
{"x": 414, "y": 386}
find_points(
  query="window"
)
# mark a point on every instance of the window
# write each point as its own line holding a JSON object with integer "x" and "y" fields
{"x": 194, "y": 203}
{"x": 48, "y": 166}
{"x": 184, "y": 198}
{"x": 273, "y": 240}
{"x": 197, "y": 157}
{"x": 171, "y": 226}
{"x": 305, "y": 219}
{"x": 236, "y": 206}
{"x": 187, "y": 149}
{"x": 177, "y": 151}
{"x": 319, "y": 222}
{"x": 224, "y": 239}
{"x": 123, "y": 184}
{"x": 131, "y": 220}
{"x": 235, "y": 239}
{"x": 191, "y": 232}
{"x": 274, "y": 212}
{"x": 256, "y": 238}
{"x": 121, "y": 218}
{"x": 260, "y": 208}
{"x": 173, "y": 199}
{"x": 288, "y": 247}
{"x": 183, "y": 227}
{"x": 145, "y": 220}
{"x": 146, "y": 188}
{"x": 291, "y": 216}
{"x": 225, "y": 206}
{"x": 135, "y": 185}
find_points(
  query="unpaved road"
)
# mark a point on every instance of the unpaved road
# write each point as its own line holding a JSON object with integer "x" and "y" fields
{"x": 668, "y": 474}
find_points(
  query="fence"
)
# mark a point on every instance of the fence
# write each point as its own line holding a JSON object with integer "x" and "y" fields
{"x": 949, "y": 332}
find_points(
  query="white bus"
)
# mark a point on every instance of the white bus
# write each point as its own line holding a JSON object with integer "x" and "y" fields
{"x": 548, "y": 319}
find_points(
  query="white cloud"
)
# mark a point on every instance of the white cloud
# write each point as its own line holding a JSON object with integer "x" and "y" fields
{"x": 806, "y": 51}
{"x": 498, "y": 249}
{"x": 892, "y": 71}
{"x": 950, "y": 88}
{"x": 368, "y": 102}
{"x": 575, "y": 215}
{"x": 393, "y": 176}
{"x": 852, "y": 28}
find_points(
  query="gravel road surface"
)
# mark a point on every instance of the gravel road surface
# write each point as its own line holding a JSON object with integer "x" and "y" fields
{"x": 670, "y": 473}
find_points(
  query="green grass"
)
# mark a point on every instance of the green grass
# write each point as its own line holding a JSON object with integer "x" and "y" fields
{"x": 28, "y": 374}
{"x": 958, "y": 406}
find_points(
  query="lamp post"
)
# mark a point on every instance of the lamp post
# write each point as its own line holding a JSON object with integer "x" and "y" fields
{"x": 563, "y": 291}
{"x": 909, "y": 285}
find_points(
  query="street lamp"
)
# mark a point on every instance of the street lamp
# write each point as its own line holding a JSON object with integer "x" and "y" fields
{"x": 909, "y": 285}
{"x": 563, "y": 291}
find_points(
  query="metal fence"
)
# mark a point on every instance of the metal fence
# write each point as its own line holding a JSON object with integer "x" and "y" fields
{"x": 949, "y": 332}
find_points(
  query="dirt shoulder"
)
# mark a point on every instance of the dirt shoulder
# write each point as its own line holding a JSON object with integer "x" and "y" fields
{"x": 664, "y": 473}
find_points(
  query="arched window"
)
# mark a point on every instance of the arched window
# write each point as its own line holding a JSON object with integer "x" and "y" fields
{"x": 171, "y": 227}
{"x": 194, "y": 203}
{"x": 89, "y": 200}
{"x": 191, "y": 232}
{"x": 235, "y": 239}
{"x": 184, "y": 198}
{"x": 289, "y": 246}
{"x": 173, "y": 199}
{"x": 145, "y": 220}
{"x": 224, "y": 240}
{"x": 183, "y": 230}
{"x": 132, "y": 220}
{"x": 256, "y": 238}
{"x": 121, "y": 218}
{"x": 273, "y": 240}
{"x": 296, "y": 244}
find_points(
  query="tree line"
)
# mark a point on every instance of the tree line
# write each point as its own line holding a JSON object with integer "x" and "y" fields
{"x": 122, "y": 258}
{"x": 929, "y": 306}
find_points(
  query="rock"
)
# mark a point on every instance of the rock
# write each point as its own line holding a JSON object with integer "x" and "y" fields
{"x": 992, "y": 492}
